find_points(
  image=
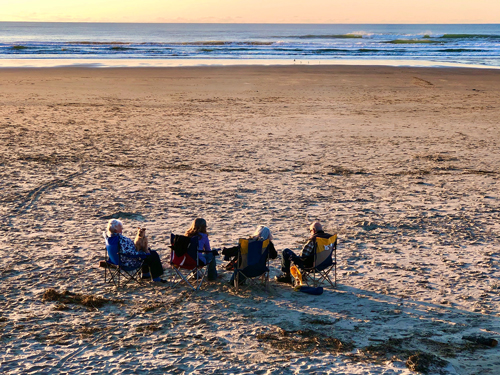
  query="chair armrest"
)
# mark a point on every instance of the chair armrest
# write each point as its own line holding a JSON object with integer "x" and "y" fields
{"x": 213, "y": 251}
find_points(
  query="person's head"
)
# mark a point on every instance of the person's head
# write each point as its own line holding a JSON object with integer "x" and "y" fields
{"x": 198, "y": 225}
{"x": 315, "y": 228}
{"x": 263, "y": 233}
{"x": 114, "y": 226}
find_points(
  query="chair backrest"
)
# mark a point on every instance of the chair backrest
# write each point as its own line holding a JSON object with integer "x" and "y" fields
{"x": 252, "y": 252}
{"x": 324, "y": 250}
{"x": 184, "y": 251}
{"x": 113, "y": 248}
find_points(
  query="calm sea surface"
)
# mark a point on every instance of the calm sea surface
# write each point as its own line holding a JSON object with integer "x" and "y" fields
{"x": 430, "y": 44}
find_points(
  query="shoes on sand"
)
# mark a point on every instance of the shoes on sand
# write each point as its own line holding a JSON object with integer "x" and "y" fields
{"x": 230, "y": 266}
{"x": 284, "y": 278}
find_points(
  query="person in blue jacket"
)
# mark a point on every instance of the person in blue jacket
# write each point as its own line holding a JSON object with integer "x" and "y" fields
{"x": 132, "y": 258}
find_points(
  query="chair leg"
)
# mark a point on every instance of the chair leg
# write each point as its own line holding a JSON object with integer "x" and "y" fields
{"x": 335, "y": 275}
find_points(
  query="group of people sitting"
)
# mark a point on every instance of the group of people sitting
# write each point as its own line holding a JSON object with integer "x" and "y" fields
{"x": 153, "y": 268}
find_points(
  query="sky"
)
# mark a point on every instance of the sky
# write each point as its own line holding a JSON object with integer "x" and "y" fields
{"x": 253, "y": 11}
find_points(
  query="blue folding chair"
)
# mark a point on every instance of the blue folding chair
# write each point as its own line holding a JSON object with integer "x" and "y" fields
{"x": 252, "y": 264}
{"x": 114, "y": 265}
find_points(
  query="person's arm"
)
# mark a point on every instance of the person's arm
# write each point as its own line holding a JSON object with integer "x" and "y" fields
{"x": 206, "y": 244}
{"x": 273, "y": 254}
{"x": 128, "y": 248}
{"x": 308, "y": 249}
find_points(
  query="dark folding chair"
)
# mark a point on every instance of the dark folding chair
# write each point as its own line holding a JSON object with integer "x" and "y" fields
{"x": 186, "y": 263}
{"x": 325, "y": 259}
{"x": 252, "y": 264}
{"x": 114, "y": 266}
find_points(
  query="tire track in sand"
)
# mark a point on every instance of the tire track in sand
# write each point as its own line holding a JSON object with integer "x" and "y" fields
{"x": 34, "y": 195}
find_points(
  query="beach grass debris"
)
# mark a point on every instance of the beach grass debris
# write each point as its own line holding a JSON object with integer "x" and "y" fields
{"x": 152, "y": 307}
{"x": 304, "y": 341}
{"x": 399, "y": 349}
{"x": 438, "y": 157}
{"x": 148, "y": 328}
{"x": 66, "y": 297}
{"x": 341, "y": 171}
{"x": 481, "y": 340}
{"x": 423, "y": 362}
{"x": 89, "y": 330}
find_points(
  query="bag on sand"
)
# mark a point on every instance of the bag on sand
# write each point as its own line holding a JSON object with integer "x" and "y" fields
{"x": 311, "y": 290}
{"x": 300, "y": 287}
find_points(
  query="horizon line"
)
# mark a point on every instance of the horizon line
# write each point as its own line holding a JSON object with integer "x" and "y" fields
{"x": 266, "y": 23}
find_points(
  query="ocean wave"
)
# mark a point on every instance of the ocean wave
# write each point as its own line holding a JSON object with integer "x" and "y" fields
{"x": 323, "y": 36}
{"x": 455, "y": 50}
{"x": 120, "y": 48}
{"x": 99, "y": 43}
{"x": 160, "y": 44}
{"x": 413, "y": 41}
{"x": 19, "y": 47}
{"x": 469, "y": 36}
{"x": 328, "y": 50}
{"x": 222, "y": 43}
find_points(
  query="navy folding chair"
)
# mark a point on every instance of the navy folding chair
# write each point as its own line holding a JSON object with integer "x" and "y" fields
{"x": 115, "y": 267}
{"x": 252, "y": 264}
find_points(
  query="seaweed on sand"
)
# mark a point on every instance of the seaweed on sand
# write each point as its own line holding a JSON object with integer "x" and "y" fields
{"x": 415, "y": 360}
{"x": 303, "y": 341}
{"x": 67, "y": 297}
{"x": 422, "y": 362}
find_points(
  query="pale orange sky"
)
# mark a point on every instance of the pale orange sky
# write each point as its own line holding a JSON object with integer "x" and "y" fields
{"x": 253, "y": 11}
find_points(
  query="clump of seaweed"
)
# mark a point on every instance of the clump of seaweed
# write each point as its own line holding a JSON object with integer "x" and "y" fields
{"x": 391, "y": 346}
{"x": 148, "y": 328}
{"x": 423, "y": 362}
{"x": 67, "y": 297}
{"x": 438, "y": 158}
{"x": 341, "y": 171}
{"x": 415, "y": 360}
{"x": 304, "y": 341}
{"x": 89, "y": 330}
{"x": 152, "y": 307}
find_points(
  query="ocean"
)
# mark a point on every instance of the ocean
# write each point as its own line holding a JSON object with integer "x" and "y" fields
{"x": 130, "y": 44}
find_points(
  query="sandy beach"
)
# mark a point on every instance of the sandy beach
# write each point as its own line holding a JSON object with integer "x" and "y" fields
{"x": 402, "y": 163}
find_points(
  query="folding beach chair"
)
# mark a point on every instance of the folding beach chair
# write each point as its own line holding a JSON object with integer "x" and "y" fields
{"x": 185, "y": 261}
{"x": 114, "y": 266}
{"x": 325, "y": 259}
{"x": 252, "y": 264}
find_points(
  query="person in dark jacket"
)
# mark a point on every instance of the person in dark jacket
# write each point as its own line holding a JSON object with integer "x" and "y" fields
{"x": 306, "y": 257}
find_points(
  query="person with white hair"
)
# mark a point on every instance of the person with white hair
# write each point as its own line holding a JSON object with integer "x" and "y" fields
{"x": 306, "y": 258}
{"x": 262, "y": 233}
{"x": 151, "y": 268}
